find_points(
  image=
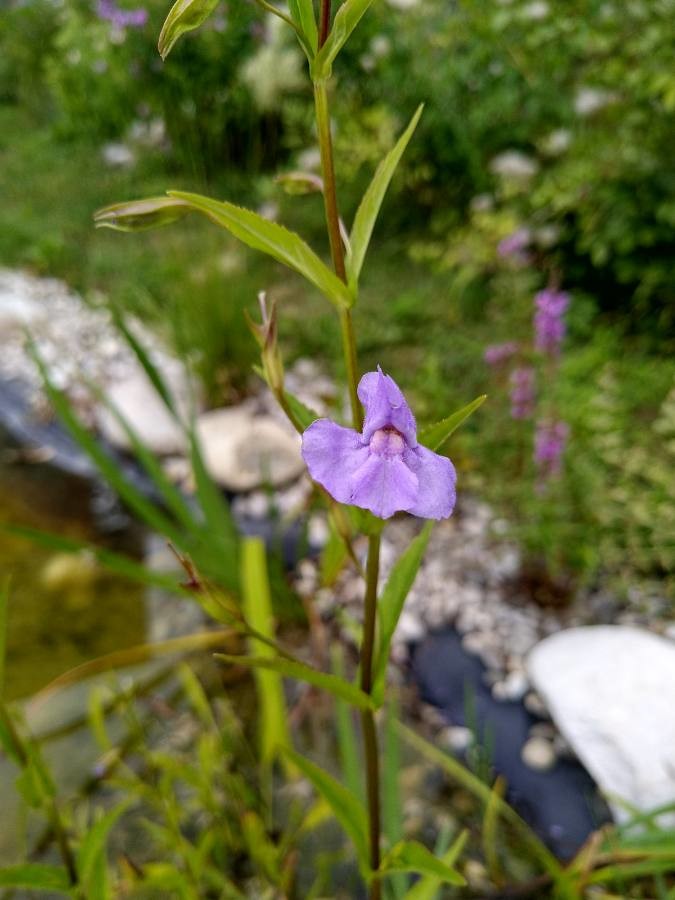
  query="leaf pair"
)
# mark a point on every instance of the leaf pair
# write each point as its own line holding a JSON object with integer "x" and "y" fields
{"x": 269, "y": 237}
{"x": 186, "y": 15}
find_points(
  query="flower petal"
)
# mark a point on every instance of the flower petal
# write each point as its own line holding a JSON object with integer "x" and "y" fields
{"x": 333, "y": 454}
{"x": 384, "y": 485}
{"x": 385, "y": 406}
{"x": 436, "y": 475}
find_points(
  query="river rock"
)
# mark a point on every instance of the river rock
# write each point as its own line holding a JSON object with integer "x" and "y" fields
{"x": 610, "y": 691}
{"x": 243, "y": 451}
{"x": 137, "y": 400}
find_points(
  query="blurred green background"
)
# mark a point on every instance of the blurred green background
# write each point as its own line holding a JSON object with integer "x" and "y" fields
{"x": 548, "y": 120}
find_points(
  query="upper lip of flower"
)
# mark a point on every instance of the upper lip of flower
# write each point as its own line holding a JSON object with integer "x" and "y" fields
{"x": 383, "y": 468}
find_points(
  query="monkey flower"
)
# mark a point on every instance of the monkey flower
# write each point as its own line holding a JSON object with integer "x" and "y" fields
{"x": 383, "y": 468}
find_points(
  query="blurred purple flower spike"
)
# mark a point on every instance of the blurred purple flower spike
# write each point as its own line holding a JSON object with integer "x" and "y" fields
{"x": 382, "y": 469}
{"x": 549, "y": 446}
{"x": 549, "y": 321}
{"x": 121, "y": 18}
{"x": 496, "y": 354}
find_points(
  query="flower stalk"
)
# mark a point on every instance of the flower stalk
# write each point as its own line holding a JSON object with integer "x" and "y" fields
{"x": 368, "y": 717}
{"x": 370, "y": 745}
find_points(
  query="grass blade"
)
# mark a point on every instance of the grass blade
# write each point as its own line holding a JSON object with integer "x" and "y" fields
{"x": 273, "y": 727}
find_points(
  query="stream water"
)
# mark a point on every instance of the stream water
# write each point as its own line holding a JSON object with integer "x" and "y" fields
{"x": 63, "y": 608}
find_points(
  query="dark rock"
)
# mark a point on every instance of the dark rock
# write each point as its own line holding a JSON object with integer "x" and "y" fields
{"x": 561, "y": 805}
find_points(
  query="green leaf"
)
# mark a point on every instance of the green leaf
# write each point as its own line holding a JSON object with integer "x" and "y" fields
{"x": 4, "y": 602}
{"x": 91, "y": 854}
{"x": 184, "y": 15}
{"x": 36, "y": 876}
{"x": 303, "y": 414}
{"x": 366, "y": 214}
{"x": 390, "y": 604}
{"x": 426, "y": 888}
{"x": 273, "y": 239}
{"x": 302, "y": 672}
{"x": 346, "y": 19}
{"x": 221, "y": 551}
{"x": 347, "y": 809}
{"x": 392, "y": 814}
{"x": 434, "y": 436}
{"x": 302, "y": 13}
{"x": 171, "y": 496}
{"x": 411, "y": 856}
{"x": 137, "y": 502}
{"x": 352, "y": 770}
{"x": 141, "y": 215}
{"x": 257, "y": 604}
{"x": 154, "y": 375}
{"x": 478, "y": 788}
{"x": 116, "y": 562}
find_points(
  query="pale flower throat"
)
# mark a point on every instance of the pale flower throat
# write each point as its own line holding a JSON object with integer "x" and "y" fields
{"x": 387, "y": 442}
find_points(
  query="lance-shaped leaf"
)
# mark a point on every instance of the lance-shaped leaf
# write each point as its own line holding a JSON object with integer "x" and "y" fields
{"x": 346, "y": 808}
{"x": 410, "y": 856}
{"x": 257, "y": 605}
{"x": 338, "y": 687}
{"x": 141, "y": 215}
{"x": 427, "y": 887}
{"x": 302, "y": 13}
{"x": 184, "y": 15}
{"x": 346, "y": 19}
{"x": 272, "y": 239}
{"x": 37, "y": 877}
{"x": 434, "y": 436}
{"x": 366, "y": 214}
{"x": 390, "y": 604}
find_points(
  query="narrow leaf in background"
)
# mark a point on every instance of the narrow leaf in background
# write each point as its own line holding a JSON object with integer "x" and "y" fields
{"x": 36, "y": 876}
{"x": 272, "y": 720}
{"x": 298, "y": 670}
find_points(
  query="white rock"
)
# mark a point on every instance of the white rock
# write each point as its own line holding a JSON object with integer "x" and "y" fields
{"x": 538, "y": 753}
{"x": 610, "y": 690}
{"x": 456, "y": 738}
{"x": 138, "y": 402}
{"x": 243, "y": 451}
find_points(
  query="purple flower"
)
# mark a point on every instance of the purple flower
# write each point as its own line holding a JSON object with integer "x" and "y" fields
{"x": 496, "y": 354}
{"x": 383, "y": 468}
{"x": 522, "y": 392}
{"x": 515, "y": 246}
{"x": 549, "y": 445}
{"x": 549, "y": 322}
{"x": 121, "y": 18}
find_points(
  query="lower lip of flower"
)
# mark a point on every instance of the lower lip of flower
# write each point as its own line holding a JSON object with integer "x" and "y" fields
{"x": 387, "y": 442}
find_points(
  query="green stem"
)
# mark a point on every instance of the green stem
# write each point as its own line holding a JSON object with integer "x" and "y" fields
{"x": 368, "y": 717}
{"x": 335, "y": 240}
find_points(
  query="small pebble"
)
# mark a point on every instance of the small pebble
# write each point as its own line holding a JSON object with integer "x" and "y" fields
{"x": 538, "y": 754}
